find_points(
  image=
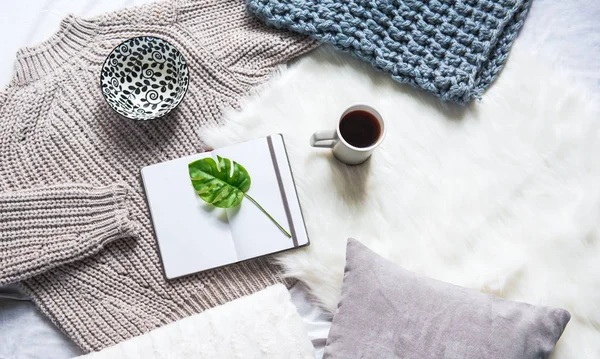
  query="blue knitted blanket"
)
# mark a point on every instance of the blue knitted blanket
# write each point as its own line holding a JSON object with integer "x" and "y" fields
{"x": 452, "y": 48}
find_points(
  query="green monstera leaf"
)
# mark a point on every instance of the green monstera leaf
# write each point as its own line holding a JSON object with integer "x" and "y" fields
{"x": 223, "y": 184}
{"x": 218, "y": 184}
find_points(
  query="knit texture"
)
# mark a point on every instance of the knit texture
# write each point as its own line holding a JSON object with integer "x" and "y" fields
{"x": 264, "y": 325}
{"x": 453, "y": 49}
{"x": 74, "y": 224}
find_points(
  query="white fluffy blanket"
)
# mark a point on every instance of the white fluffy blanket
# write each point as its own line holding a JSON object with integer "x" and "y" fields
{"x": 263, "y": 325}
{"x": 502, "y": 196}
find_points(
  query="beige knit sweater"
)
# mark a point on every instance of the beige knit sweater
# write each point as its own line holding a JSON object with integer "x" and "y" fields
{"x": 74, "y": 225}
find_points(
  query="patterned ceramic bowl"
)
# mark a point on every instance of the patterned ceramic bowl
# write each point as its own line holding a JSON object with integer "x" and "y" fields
{"x": 144, "y": 78}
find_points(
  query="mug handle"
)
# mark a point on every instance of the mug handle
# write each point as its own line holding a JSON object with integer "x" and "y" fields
{"x": 323, "y": 139}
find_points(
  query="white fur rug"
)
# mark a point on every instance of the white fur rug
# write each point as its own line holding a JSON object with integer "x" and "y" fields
{"x": 501, "y": 196}
{"x": 264, "y": 325}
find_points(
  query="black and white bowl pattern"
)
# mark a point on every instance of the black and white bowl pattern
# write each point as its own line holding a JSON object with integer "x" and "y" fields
{"x": 144, "y": 78}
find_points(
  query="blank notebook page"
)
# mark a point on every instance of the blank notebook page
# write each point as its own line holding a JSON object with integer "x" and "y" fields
{"x": 194, "y": 236}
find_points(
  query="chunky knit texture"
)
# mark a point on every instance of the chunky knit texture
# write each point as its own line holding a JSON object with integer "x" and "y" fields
{"x": 74, "y": 225}
{"x": 453, "y": 49}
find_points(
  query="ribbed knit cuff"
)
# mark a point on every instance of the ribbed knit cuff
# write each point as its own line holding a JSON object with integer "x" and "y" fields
{"x": 42, "y": 228}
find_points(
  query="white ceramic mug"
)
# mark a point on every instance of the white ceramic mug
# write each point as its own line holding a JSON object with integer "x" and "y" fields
{"x": 342, "y": 150}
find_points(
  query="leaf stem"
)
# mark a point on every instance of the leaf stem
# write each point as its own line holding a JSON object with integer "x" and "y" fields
{"x": 267, "y": 213}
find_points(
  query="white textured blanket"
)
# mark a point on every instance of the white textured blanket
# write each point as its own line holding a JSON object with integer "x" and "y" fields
{"x": 502, "y": 196}
{"x": 263, "y": 325}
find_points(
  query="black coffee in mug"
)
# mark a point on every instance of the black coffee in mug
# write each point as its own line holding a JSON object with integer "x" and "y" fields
{"x": 359, "y": 131}
{"x": 360, "y": 128}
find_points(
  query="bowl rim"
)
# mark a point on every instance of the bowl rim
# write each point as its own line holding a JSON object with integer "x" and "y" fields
{"x": 136, "y": 118}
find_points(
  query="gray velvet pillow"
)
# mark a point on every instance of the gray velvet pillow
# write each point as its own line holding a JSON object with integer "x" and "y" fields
{"x": 388, "y": 312}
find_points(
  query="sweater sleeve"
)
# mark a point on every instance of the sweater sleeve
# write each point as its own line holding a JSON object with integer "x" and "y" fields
{"x": 245, "y": 45}
{"x": 42, "y": 228}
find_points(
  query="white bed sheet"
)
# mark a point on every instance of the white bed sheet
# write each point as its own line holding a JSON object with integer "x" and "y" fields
{"x": 566, "y": 30}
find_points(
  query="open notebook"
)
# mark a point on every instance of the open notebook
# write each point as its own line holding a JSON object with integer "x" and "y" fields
{"x": 194, "y": 236}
